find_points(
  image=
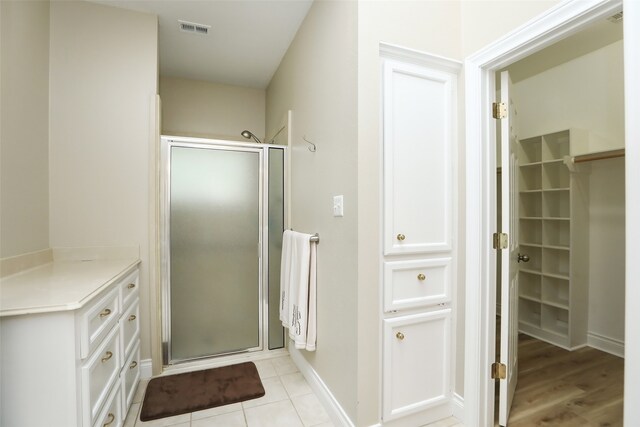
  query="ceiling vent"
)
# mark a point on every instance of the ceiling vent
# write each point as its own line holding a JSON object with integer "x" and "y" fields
{"x": 615, "y": 18}
{"x": 192, "y": 27}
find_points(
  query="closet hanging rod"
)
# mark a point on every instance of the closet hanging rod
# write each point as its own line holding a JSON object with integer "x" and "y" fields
{"x": 599, "y": 156}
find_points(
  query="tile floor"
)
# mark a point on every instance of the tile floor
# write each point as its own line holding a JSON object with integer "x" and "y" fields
{"x": 288, "y": 402}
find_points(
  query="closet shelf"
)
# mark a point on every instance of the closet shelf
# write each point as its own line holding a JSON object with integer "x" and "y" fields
{"x": 530, "y": 298}
{"x": 550, "y": 303}
{"x": 553, "y": 161}
{"x": 558, "y": 247}
{"x": 556, "y": 276}
{"x": 539, "y": 190}
{"x": 535, "y": 245}
{"x": 534, "y": 325}
{"x": 555, "y": 304}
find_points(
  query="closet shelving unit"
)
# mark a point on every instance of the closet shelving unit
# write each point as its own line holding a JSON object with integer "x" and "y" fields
{"x": 553, "y": 286}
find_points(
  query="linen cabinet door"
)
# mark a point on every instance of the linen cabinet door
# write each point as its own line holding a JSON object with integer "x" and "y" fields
{"x": 418, "y": 136}
{"x": 416, "y": 360}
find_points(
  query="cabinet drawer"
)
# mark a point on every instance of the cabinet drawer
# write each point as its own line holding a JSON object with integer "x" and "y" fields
{"x": 130, "y": 289}
{"x": 99, "y": 374}
{"x": 416, "y": 362}
{"x": 97, "y": 320}
{"x": 130, "y": 328}
{"x": 419, "y": 283}
{"x": 129, "y": 377}
{"x": 111, "y": 415}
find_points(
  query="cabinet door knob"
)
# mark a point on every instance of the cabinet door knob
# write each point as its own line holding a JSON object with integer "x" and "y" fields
{"x": 400, "y": 336}
{"x": 108, "y": 355}
{"x": 133, "y": 364}
{"x": 131, "y": 285}
{"x": 105, "y": 312}
{"x": 111, "y": 419}
{"x": 132, "y": 318}
{"x": 400, "y": 237}
{"x": 421, "y": 276}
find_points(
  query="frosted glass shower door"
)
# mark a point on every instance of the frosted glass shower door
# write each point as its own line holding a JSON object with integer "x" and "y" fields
{"x": 214, "y": 228}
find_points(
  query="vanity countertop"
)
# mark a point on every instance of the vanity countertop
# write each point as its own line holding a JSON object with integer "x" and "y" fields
{"x": 59, "y": 285}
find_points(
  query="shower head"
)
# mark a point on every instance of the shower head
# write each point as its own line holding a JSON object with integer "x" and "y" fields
{"x": 247, "y": 134}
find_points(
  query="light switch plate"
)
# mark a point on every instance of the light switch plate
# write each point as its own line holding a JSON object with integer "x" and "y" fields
{"x": 338, "y": 205}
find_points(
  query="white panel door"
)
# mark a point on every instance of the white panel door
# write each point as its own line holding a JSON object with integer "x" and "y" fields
{"x": 416, "y": 359}
{"x": 510, "y": 218}
{"x": 418, "y": 137}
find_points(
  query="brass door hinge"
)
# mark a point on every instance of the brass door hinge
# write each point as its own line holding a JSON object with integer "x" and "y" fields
{"x": 500, "y": 240}
{"x": 498, "y": 371}
{"x": 499, "y": 110}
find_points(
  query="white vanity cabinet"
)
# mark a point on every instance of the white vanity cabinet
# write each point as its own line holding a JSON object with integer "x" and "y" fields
{"x": 69, "y": 344}
{"x": 418, "y": 234}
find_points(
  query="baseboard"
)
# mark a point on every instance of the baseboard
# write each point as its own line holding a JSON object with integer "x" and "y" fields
{"x": 606, "y": 344}
{"x": 457, "y": 406}
{"x": 145, "y": 369}
{"x": 328, "y": 400}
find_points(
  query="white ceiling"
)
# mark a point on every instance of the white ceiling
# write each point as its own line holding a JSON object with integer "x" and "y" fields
{"x": 246, "y": 41}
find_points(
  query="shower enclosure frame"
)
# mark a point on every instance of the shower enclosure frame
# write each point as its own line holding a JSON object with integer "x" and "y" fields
{"x": 168, "y": 142}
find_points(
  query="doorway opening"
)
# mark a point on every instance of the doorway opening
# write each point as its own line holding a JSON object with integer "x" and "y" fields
{"x": 561, "y": 197}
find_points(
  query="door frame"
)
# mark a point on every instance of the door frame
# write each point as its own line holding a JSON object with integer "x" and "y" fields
{"x": 560, "y": 21}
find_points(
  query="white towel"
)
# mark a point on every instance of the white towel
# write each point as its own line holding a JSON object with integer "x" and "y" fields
{"x": 298, "y": 289}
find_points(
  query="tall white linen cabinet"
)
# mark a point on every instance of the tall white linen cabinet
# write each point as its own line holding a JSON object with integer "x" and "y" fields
{"x": 418, "y": 263}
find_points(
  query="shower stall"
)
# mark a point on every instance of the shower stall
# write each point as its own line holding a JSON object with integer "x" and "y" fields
{"x": 223, "y": 214}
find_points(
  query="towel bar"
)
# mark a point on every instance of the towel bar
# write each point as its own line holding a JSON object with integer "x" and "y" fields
{"x": 315, "y": 238}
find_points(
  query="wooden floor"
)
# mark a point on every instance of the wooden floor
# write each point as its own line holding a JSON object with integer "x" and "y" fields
{"x": 557, "y": 387}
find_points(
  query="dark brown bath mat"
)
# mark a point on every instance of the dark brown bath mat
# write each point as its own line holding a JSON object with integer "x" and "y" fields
{"x": 195, "y": 391}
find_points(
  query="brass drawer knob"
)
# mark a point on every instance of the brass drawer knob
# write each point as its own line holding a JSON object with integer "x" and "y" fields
{"x": 421, "y": 276}
{"x": 131, "y": 285}
{"x": 105, "y": 312}
{"x": 400, "y": 237}
{"x": 111, "y": 419}
{"x": 108, "y": 355}
{"x": 133, "y": 364}
{"x": 400, "y": 336}
{"x": 132, "y": 318}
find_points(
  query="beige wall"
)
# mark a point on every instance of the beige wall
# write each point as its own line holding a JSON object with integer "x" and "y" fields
{"x": 24, "y": 127}
{"x": 317, "y": 80}
{"x": 103, "y": 76}
{"x": 485, "y": 21}
{"x": 585, "y": 93}
{"x": 211, "y": 110}
{"x": 607, "y": 249}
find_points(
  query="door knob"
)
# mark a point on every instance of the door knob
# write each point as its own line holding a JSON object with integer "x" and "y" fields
{"x": 400, "y": 237}
{"x": 523, "y": 258}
